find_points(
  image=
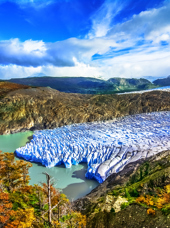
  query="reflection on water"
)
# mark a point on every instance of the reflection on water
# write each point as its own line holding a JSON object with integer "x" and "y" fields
{"x": 84, "y": 187}
{"x": 72, "y": 181}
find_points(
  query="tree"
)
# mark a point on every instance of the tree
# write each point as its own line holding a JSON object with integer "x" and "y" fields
{"x": 14, "y": 174}
{"x": 55, "y": 201}
{"x": 49, "y": 197}
{"x": 5, "y": 208}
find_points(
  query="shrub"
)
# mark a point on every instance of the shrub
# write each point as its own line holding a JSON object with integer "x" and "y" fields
{"x": 150, "y": 211}
{"x": 127, "y": 195}
{"x": 166, "y": 209}
{"x": 134, "y": 193}
{"x": 115, "y": 193}
{"x": 112, "y": 210}
{"x": 124, "y": 205}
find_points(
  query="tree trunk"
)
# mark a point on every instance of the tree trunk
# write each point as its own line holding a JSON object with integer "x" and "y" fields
{"x": 49, "y": 198}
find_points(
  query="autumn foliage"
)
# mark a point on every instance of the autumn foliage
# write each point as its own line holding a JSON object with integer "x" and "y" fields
{"x": 150, "y": 211}
{"x": 160, "y": 200}
{"x": 6, "y": 211}
{"x": 24, "y": 206}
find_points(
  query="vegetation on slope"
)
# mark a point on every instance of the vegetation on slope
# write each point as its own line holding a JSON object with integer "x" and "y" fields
{"x": 25, "y": 206}
{"x": 41, "y": 108}
{"x": 138, "y": 196}
{"x": 6, "y": 87}
{"x": 131, "y": 84}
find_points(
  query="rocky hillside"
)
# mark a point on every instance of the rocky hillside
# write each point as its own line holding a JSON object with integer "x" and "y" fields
{"x": 87, "y": 85}
{"x": 40, "y": 108}
{"x": 138, "y": 196}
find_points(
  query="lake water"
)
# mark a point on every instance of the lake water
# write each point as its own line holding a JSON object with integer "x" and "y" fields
{"x": 72, "y": 181}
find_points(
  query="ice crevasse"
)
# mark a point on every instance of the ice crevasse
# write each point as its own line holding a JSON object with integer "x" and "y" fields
{"x": 106, "y": 146}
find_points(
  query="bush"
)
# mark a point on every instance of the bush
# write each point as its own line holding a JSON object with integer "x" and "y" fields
{"x": 112, "y": 210}
{"x": 150, "y": 211}
{"x": 115, "y": 193}
{"x": 166, "y": 209}
{"x": 134, "y": 193}
{"x": 127, "y": 195}
{"x": 124, "y": 205}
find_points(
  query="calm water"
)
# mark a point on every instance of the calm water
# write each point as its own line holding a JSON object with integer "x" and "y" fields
{"x": 72, "y": 181}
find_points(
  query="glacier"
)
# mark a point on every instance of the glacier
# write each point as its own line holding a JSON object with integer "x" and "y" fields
{"x": 106, "y": 146}
{"x": 164, "y": 89}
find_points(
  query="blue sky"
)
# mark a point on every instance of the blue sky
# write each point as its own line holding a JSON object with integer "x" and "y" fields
{"x": 94, "y": 38}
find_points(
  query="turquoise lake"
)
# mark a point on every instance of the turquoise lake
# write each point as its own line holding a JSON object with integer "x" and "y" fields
{"x": 71, "y": 181}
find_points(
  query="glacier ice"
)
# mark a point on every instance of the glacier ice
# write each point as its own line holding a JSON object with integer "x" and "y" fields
{"x": 106, "y": 146}
{"x": 164, "y": 88}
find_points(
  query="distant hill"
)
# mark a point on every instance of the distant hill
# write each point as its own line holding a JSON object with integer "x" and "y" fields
{"x": 162, "y": 82}
{"x": 122, "y": 84}
{"x": 153, "y": 78}
{"x": 86, "y": 85}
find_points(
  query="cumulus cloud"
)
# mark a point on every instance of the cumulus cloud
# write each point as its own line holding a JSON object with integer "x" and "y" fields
{"x": 30, "y": 53}
{"x": 138, "y": 64}
{"x": 38, "y": 53}
{"x": 14, "y": 71}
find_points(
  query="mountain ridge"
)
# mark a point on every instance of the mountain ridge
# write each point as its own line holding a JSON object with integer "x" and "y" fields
{"x": 162, "y": 81}
{"x": 87, "y": 85}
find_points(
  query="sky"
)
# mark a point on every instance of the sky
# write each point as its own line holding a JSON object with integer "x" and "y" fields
{"x": 91, "y": 38}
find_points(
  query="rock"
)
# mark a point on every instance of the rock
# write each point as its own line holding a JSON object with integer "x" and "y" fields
{"x": 117, "y": 205}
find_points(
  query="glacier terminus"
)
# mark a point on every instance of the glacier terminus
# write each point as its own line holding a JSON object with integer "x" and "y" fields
{"x": 106, "y": 146}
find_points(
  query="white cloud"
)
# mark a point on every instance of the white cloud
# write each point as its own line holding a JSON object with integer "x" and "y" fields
{"x": 14, "y": 71}
{"x": 147, "y": 24}
{"x": 32, "y": 57}
{"x": 30, "y": 53}
{"x": 102, "y": 18}
{"x": 138, "y": 64}
{"x": 38, "y": 53}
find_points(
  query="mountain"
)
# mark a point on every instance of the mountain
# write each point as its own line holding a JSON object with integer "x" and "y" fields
{"x": 43, "y": 107}
{"x": 86, "y": 85}
{"x": 137, "y": 196}
{"x": 82, "y": 85}
{"x": 162, "y": 82}
{"x": 131, "y": 84}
